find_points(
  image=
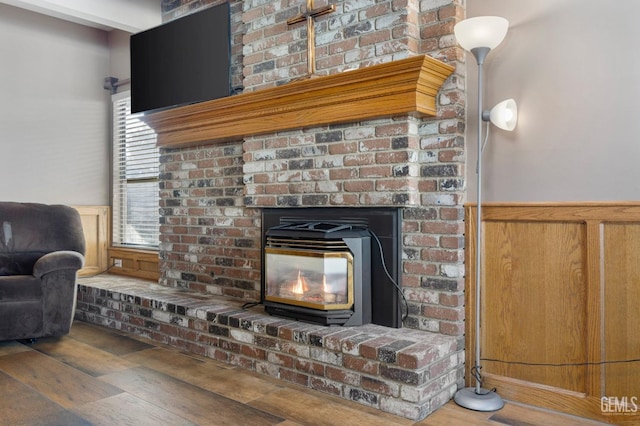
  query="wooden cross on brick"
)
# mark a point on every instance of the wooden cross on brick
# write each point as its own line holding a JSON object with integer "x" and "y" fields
{"x": 309, "y": 16}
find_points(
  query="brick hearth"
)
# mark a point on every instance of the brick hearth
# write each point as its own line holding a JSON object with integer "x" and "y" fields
{"x": 404, "y": 372}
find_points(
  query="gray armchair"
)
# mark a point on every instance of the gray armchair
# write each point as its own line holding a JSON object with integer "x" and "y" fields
{"x": 42, "y": 248}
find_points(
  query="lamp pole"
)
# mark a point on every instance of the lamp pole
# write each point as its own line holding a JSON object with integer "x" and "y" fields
{"x": 477, "y": 398}
{"x": 480, "y": 54}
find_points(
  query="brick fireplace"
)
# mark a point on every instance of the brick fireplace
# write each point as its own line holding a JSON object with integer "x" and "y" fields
{"x": 213, "y": 194}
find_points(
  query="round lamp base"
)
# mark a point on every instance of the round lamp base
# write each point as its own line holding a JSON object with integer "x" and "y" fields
{"x": 485, "y": 400}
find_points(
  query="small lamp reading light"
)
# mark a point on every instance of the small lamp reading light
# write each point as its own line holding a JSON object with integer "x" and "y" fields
{"x": 504, "y": 115}
{"x": 479, "y": 35}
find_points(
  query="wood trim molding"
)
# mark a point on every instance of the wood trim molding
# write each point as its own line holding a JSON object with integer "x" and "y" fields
{"x": 619, "y": 211}
{"x": 407, "y": 86}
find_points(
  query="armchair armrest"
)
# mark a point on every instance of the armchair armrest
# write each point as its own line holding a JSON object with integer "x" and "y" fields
{"x": 58, "y": 260}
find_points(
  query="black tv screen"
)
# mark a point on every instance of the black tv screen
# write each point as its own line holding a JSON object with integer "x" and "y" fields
{"x": 181, "y": 62}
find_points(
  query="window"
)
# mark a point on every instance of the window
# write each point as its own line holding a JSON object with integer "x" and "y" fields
{"x": 135, "y": 179}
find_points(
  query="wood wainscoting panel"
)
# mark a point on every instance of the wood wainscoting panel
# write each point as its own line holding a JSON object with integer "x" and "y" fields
{"x": 536, "y": 270}
{"x": 95, "y": 225}
{"x": 560, "y": 290}
{"x": 135, "y": 263}
{"x": 621, "y": 299}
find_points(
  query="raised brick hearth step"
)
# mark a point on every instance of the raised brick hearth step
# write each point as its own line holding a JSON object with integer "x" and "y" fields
{"x": 405, "y": 372}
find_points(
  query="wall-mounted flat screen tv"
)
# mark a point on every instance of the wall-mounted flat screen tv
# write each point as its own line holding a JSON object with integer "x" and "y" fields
{"x": 181, "y": 62}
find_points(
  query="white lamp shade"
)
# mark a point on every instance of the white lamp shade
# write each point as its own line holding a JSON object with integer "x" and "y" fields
{"x": 505, "y": 115}
{"x": 481, "y": 31}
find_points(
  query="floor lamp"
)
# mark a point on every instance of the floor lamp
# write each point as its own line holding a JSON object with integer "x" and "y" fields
{"x": 479, "y": 35}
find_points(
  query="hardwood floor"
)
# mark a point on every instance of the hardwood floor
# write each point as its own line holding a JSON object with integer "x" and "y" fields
{"x": 96, "y": 376}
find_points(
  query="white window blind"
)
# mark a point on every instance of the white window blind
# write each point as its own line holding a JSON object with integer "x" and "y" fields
{"x": 135, "y": 178}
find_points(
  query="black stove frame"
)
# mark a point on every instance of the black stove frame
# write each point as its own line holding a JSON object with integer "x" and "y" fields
{"x": 385, "y": 223}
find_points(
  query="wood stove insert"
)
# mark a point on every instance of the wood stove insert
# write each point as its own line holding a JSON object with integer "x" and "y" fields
{"x": 318, "y": 272}
{"x": 324, "y": 265}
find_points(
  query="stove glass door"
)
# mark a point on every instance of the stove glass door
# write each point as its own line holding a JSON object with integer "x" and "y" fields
{"x": 309, "y": 278}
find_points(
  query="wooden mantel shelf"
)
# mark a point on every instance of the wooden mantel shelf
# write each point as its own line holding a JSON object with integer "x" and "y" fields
{"x": 407, "y": 86}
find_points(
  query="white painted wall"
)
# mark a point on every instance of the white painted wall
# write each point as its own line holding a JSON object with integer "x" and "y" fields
{"x": 573, "y": 66}
{"x": 119, "y": 59}
{"x": 54, "y": 113}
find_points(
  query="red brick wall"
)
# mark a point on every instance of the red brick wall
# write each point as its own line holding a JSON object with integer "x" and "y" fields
{"x": 209, "y": 241}
{"x": 212, "y": 195}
